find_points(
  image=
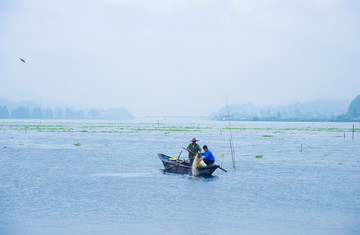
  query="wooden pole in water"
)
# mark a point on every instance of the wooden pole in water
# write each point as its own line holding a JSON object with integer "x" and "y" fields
{"x": 222, "y": 158}
{"x": 231, "y": 149}
{"x": 353, "y": 131}
{"x": 231, "y": 139}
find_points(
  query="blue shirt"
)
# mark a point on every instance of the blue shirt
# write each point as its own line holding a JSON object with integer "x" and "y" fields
{"x": 208, "y": 155}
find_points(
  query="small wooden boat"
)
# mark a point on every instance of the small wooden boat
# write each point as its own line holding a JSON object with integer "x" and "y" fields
{"x": 183, "y": 167}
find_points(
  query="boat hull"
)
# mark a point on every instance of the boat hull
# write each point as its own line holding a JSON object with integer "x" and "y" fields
{"x": 181, "y": 167}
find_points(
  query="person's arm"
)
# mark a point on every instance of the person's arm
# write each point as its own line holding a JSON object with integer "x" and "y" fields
{"x": 202, "y": 154}
{"x": 206, "y": 155}
{"x": 199, "y": 152}
{"x": 188, "y": 149}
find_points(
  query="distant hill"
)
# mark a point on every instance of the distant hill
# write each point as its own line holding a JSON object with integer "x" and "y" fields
{"x": 26, "y": 103}
{"x": 354, "y": 108}
{"x": 4, "y": 101}
{"x": 33, "y": 110}
{"x": 353, "y": 112}
{"x": 321, "y": 109}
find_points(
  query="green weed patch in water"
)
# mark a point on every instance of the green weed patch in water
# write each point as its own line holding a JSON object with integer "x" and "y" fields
{"x": 77, "y": 144}
{"x": 164, "y": 129}
{"x": 259, "y": 156}
{"x": 266, "y": 136}
{"x": 249, "y": 128}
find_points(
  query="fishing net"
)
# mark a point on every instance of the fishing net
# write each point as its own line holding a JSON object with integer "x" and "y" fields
{"x": 196, "y": 164}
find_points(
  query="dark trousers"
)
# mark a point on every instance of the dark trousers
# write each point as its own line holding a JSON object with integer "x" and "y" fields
{"x": 208, "y": 162}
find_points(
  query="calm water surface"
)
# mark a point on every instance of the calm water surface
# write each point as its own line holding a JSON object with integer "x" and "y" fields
{"x": 81, "y": 177}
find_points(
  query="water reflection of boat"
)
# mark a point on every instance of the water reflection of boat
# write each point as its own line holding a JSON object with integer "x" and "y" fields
{"x": 183, "y": 167}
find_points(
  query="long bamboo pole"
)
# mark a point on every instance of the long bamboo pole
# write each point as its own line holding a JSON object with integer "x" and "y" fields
{"x": 231, "y": 139}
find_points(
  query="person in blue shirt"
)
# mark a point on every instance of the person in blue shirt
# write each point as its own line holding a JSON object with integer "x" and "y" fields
{"x": 208, "y": 158}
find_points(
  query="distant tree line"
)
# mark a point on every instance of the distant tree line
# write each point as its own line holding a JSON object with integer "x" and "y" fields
{"x": 61, "y": 113}
{"x": 297, "y": 112}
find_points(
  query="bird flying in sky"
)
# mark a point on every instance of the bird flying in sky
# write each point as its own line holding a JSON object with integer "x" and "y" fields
{"x": 22, "y": 60}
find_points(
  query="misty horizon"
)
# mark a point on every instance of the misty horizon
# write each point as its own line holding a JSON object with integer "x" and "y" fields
{"x": 320, "y": 105}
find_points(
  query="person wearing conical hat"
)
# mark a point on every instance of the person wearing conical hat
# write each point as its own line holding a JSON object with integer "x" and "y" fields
{"x": 193, "y": 149}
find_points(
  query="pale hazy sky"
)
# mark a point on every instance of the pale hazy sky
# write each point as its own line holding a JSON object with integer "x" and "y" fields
{"x": 179, "y": 57}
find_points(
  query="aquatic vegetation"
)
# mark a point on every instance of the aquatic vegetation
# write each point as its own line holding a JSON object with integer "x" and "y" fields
{"x": 77, "y": 144}
{"x": 249, "y": 128}
{"x": 166, "y": 129}
{"x": 259, "y": 156}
